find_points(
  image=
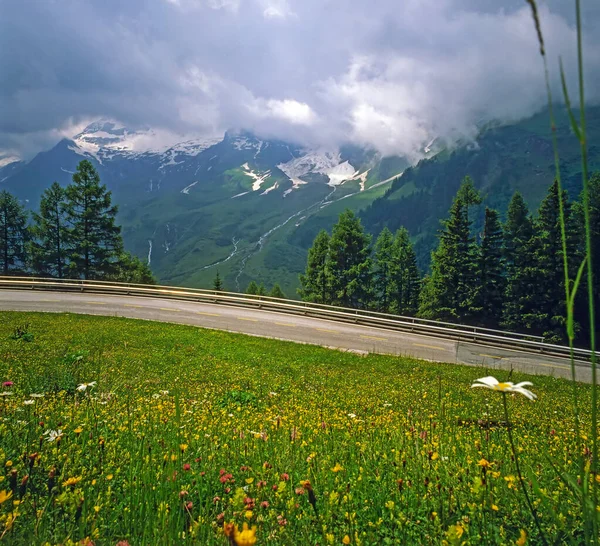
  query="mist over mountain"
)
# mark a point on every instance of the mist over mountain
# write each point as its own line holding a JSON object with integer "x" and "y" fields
{"x": 386, "y": 75}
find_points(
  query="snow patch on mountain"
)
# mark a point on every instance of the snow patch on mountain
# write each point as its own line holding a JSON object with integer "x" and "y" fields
{"x": 273, "y": 187}
{"x": 324, "y": 162}
{"x": 187, "y": 189}
{"x": 258, "y": 178}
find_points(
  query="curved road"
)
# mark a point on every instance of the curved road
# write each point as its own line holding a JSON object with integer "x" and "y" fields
{"x": 269, "y": 324}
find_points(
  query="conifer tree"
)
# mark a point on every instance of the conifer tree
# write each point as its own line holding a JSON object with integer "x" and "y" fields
{"x": 490, "y": 288}
{"x": 383, "y": 269}
{"x": 315, "y": 285}
{"x": 13, "y": 234}
{"x": 520, "y": 271}
{"x": 129, "y": 268}
{"x": 96, "y": 239}
{"x": 349, "y": 262}
{"x": 277, "y": 292}
{"x": 217, "y": 283}
{"x": 452, "y": 285}
{"x": 262, "y": 291}
{"x": 406, "y": 282}
{"x": 252, "y": 288}
{"x": 582, "y": 311}
{"x": 548, "y": 292}
{"x": 49, "y": 246}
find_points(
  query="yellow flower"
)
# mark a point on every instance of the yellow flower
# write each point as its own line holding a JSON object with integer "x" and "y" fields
{"x": 346, "y": 539}
{"x": 109, "y": 477}
{"x": 183, "y": 447}
{"x": 5, "y": 495}
{"x": 78, "y": 430}
{"x": 522, "y": 540}
{"x": 72, "y": 481}
{"x": 483, "y": 463}
{"x": 8, "y": 464}
{"x": 494, "y": 508}
{"x": 248, "y": 514}
{"x": 389, "y": 505}
{"x": 245, "y": 537}
{"x": 337, "y": 468}
{"x": 435, "y": 456}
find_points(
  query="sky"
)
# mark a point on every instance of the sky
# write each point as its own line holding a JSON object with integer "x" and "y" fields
{"x": 389, "y": 74}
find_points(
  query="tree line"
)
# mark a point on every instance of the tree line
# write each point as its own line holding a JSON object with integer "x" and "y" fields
{"x": 509, "y": 275}
{"x": 73, "y": 235}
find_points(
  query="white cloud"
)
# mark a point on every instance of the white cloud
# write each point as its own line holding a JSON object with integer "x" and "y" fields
{"x": 389, "y": 74}
{"x": 276, "y": 9}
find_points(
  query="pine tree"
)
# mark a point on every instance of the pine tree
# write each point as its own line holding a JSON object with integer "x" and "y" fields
{"x": 383, "y": 268}
{"x": 520, "y": 273}
{"x": 406, "y": 282}
{"x": 277, "y": 292}
{"x": 453, "y": 281}
{"x": 315, "y": 283}
{"x": 548, "y": 299}
{"x": 582, "y": 310}
{"x": 252, "y": 288}
{"x": 262, "y": 291}
{"x": 490, "y": 290}
{"x": 50, "y": 234}
{"x": 130, "y": 269}
{"x": 217, "y": 283}
{"x": 13, "y": 234}
{"x": 349, "y": 262}
{"x": 96, "y": 239}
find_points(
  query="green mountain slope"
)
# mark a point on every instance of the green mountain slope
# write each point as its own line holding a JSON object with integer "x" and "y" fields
{"x": 502, "y": 160}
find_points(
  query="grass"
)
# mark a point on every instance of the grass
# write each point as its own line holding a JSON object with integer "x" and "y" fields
{"x": 186, "y": 429}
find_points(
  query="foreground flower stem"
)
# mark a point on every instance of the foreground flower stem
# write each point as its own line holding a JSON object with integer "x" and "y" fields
{"x": 521, "y": 481}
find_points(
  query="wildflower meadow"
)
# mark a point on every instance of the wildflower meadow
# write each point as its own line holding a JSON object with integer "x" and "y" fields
{"x": 116, "y": 431}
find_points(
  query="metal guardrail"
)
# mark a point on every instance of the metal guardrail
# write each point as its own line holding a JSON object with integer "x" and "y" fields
{"x": 457, "y": 332}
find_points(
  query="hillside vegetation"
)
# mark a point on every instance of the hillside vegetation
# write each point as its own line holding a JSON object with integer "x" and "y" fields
{"x": 121, "y": 430}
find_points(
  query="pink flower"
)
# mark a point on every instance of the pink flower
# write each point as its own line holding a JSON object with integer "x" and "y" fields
{"x": 285, "y": 477}
{"x": 7, "y": 384}
{"x": 187, "y": 466}
{"x": 264, "y": 504}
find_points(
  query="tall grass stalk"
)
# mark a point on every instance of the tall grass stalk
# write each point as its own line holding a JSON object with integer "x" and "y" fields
{"x": 590, "y": 516}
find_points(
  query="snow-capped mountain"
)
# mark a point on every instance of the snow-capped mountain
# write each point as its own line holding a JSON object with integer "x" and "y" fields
{"x": 190, "y": 205}
{"x": 106, "y": 140}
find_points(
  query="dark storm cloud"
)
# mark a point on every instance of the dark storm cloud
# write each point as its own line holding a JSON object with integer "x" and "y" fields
{"x": 390, "y": 74}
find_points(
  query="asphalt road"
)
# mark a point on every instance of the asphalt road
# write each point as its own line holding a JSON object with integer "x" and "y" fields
{"x": 269, "y": 324}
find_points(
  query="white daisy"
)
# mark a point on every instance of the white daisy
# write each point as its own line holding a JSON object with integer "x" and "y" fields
{"x": 493, "y": 384}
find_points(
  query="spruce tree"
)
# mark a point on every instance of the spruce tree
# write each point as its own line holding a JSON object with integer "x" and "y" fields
{"x": 13, "y": 234}
{"x": 383, "y": 268}
{"x": 520, "y": 270}
{"x": 548, "y": 299}
{"x": 490, "y": 288}
{"x": 406, "y": 282}
{"x": 315, "y": 285}
{"x": 582, "y": 310}
{"x": 130, "y": 269}
{"x": 96, "y": 239}
{"x": 50, "y": 234}
{"x": 262, "y": 291}
{"x": 217, "y": 283}
{"x": 277, "y": 292}
{"x": 453, "y": 282}
{"x": 252, "y": 288}
{"x": 349, "y": 262}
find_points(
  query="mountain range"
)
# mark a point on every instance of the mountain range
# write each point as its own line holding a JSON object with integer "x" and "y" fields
{"x": 250, "y": 207}
{"x": 202, "y": 205}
